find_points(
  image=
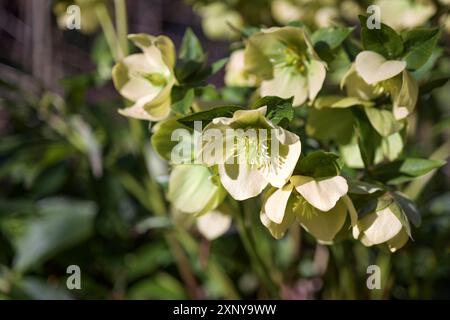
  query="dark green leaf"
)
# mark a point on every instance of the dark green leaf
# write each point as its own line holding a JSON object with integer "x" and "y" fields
{"x": 278, "y": 109}
{"x": 419, "y": 46}
{"x": 384, "y": 41}
{"x": 207, "y": 116}
{"x": 64, "y": 223}
{"x": 182, "y": 99}
{"x": 332, "y": 36}
{"x": 368, "y": 139}
{"x": 320, "y": 164}
{"x": 409, "y": 207}
{"x": 433, "y": 84}
{"x": 400, "y": 171}
{"x": 191, "y": 48}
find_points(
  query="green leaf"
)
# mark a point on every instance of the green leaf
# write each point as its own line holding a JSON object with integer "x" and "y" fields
{"x": 409, "y": 207}
{"x": 208, "y": 115}
{"x": 404, "y": 170}
{"x": 340, "y": 102}
{"x": 278, "y": 109}
{"x": 159, "y": 286}
{"x": 191, "y": 48}
{"x": 419, "y": 46}
{"x": 368, "y": 138}
{"x": 384, "y": 41}
{"x": 433, "y": 84}
{"x": 162, "y": 140}
{"x": 383, "y": 121}
{"x": 361, "y": 187}
{"x": 340, "y": 120}
{"x": 331, "y": 37}
{"x": 318, "y": 164}
{"x": 182, "y": 99}
{"x": 63, "y": 224}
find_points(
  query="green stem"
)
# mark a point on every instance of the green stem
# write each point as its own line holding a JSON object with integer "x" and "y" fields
{"x": 257, "y": 262}
{"x": 122, "y": 24}
{"x": 108, "y": 30}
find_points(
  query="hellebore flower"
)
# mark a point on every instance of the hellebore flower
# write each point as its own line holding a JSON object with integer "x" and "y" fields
{"x": 250, "y": 152}
{"x": 316, "y": 203}
{"x": 383, "y": 225}
{"x": 147, "y": 78}
{"x": 194, "y": 189}
{"x": 405, "y": 14}
{"x": 284, "y": 58}
{"x": 213, "y": 224}
{"x": 235, "y": 73}
{"x": 218, "y": 20}
{"x": 372, "y": 76}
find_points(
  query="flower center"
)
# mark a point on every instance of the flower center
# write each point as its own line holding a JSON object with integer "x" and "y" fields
{"x": 302, "y": 207}
{"x": 254, "y": 149}
{"x": 295, "y": 59}
{"x": 156, "y": 79}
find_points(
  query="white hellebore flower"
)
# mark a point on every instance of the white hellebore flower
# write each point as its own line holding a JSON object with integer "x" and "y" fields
{"x": 384, "y": 225}
{"x": 405, "y": 14}
{"x": 284, "y": 58}
{"x": 250, "y": 152}
{"x": 372, "y": 76}
{"x": 235, "y": 73}
{"x": 320, "y": 205}
{"x": 147, "y": 78}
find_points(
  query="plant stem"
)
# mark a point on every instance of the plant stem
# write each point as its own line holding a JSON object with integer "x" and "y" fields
{"x": 108, "y": 30}
{"x": 257, "y": 262}
{"x": 122, "y": 25}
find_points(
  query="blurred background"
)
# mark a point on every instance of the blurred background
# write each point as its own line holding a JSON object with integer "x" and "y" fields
{"x": 80, "y": 184}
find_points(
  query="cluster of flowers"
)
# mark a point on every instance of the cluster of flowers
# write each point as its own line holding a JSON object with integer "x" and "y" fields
{"x": 280, "y": 62}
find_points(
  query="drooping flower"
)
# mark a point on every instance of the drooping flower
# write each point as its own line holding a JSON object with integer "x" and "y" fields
{"x": 218, "y": 21}
{"x": 250, "y": 152}
{"x": 235, "y": 73}
{"x": 405, "y": 14}
{"x": 285, "y": 60}
{"x": 383, "y": 225}
{"x": 318, "y": 204}
{"x": 372, "y": 76}
{"x": 147, "y": 78}
{"x": 194, "y": 189}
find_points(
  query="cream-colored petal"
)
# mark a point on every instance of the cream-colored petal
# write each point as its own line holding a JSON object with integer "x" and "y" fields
{"x": 213, "y": 224}
{"x": 321, "y": 193}
{"x": 241, "y": 181}
{"x": 355, "y": 86}
{"x": 316, "y": 77}
{"x": 286, "y": 83}
{"x": 406, "y": 99}
{"x": 275, "y": 205}
{"x": 278, "y": 229}
{"x": 137, "y": 63}
{"x": 324, "y": 225}
{"x": 155, "y": 61}
{"x": 283, "y": 163}
{"x": 137, "y": 88}
{"x": 380, "y": 226}
{"x": 373, "y": 67}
